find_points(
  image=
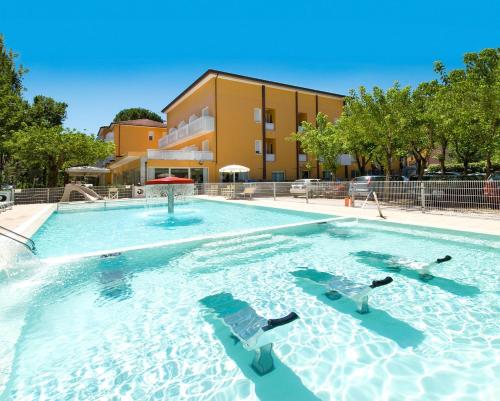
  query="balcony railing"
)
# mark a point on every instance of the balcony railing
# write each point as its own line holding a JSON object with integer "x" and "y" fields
{"x": 270, "y": 126}
{"x": 180, "y": 155}
{"x": 302, "y": 157}
{"x": 270, "y": 157}
{"x": 195, "y": 127}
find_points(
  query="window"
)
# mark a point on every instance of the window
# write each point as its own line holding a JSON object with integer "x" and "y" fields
{"x": 305, "y": 173}
{"x": 269, "y": 116}
{"x": 180, "y": 172}
{"x": 327, "y": 175}
{"x": 270, "y": 147}
{"x": 151, "y": 135}
{"x": 204, "y": 146}
{"x": 258, "y": 146}
{"x": 257, "y": 115}
{"x": 278, "y": 176}
{"x": 161, "y": 172}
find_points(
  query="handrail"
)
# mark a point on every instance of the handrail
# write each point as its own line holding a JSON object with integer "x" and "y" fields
{"x": 30, "y": 244}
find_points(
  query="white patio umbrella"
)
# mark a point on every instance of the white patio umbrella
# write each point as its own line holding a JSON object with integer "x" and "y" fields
{"x": 234, "y": 168}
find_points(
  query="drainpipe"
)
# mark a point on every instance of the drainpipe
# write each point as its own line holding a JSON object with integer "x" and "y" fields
{"x": 263, "y": 118}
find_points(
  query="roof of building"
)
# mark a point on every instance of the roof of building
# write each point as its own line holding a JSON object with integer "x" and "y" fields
{"x": 142, "y": 122}
{"x": 247, "y": 78}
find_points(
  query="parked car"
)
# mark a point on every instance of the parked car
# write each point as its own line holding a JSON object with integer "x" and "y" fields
{"x": 303, "y": 186}
{"x": 492, "y": 188}
{"x": 365, "y": 184}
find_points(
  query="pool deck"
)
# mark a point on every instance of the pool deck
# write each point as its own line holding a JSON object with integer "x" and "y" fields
{"x": 26, "y": 219}
{"x": 477, "y": 224}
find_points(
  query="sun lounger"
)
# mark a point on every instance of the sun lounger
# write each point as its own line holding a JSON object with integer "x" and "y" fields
{"x": 255, "y": 332}
{"x": 397, "y": 263}
{"x": 341, "y": 286}
{"x": 250, "y": 191}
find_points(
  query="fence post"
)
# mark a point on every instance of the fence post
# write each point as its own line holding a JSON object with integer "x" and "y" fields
{"x": 274, "y": 190}
{"x": 307, "y": 194}
{"x": 422, "y": 196}
{"x": 48, "y": 195}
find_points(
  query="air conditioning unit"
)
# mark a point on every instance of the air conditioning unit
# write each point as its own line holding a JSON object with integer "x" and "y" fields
{"x": 138, "y": 191}
{"x": 6, "y": 195}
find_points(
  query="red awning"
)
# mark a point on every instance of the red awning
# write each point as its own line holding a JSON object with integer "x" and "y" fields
{"x": 170, "y": 180}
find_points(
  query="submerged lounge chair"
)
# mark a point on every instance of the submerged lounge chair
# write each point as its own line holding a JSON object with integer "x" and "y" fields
{"x": 255, "y": 332}
{"x": 341, "y": 286}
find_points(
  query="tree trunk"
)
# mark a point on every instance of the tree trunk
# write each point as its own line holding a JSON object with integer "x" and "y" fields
{"x": 388, "y": 172}
{"x": 488, "y": 166}
{"x": 442, "y": 159}
{"x": 52, "y": 176}
{"x": 361, "y": 162}
{"x": 423, "y": 166}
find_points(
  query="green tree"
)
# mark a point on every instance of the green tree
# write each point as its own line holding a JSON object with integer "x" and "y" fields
{"x": 469, "y": 107}
{"x": 419, "y": 135}
{"x": 354, "y": 131}
{"x": 52, "y": 149}
{"x": 385, "y": 117}
{"x": 482, "y": 72}
{"x": 12, "y": 106}
{"x": 321, "y": 141}
{"x": 136, "y": 113}
{"x": 46, "y": 112}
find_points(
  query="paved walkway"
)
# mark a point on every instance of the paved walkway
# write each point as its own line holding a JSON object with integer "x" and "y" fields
{"x": 25, "y": 219}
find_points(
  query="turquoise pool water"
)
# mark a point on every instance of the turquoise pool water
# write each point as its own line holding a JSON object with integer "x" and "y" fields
{"x": 75, "y": 232}
{"x": 133, "y": 327}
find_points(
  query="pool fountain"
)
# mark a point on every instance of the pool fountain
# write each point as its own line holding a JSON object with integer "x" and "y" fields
{"x": 171, "y": 188}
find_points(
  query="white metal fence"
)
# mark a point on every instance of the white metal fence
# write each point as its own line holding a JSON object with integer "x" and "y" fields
{"x": 426, "y": 196}
{"x": 53, "y": 195}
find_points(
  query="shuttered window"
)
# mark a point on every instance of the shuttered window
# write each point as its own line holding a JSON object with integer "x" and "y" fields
{"x": 257, "y": 115}
{"x": 258, "y": 146}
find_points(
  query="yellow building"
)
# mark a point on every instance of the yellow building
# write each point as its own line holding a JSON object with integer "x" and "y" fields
{"x": 132, "y": 140}
{"x": 224, "y": 118}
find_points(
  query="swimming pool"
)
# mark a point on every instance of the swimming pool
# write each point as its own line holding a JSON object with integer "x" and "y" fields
{"x": 90, "y": 230}
{"x": 134, "y": 326}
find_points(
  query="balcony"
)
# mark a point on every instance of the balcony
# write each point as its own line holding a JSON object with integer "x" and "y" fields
{"x": 270, "y": 157}
{"x": 195, "y": 127}
{"x": 302, "y": 157}
{"x": 300, "y": 130}
{"x": 180, "y": 155}
{"x": 269, "y": 126}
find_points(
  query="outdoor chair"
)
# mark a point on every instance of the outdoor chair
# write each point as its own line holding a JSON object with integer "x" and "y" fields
{"x": 113, "y": 193}
{"x": 248, "y": 191}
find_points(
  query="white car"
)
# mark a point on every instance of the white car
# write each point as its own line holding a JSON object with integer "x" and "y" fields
{"x": 306, "y": 185}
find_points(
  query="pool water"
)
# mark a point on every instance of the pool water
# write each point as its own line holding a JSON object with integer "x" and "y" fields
{"x": 76, "y": 232}
{"x": 133, "y": 327}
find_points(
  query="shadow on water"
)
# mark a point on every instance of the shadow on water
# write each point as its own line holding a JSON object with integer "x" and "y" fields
{"x": 378, "y": 321}
{"x": 279, "y": 384}
{"x": 389, "y": 263}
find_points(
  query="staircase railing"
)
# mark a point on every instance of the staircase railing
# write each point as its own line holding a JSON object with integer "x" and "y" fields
{"x": 21, "y": 239}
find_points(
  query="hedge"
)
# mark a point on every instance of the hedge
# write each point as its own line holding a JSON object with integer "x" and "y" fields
{"x": 476, "y": 167}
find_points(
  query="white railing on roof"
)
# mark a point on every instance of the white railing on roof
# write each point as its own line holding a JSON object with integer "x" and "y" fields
{"x": 179, "y": 154}
{"x": 194, "y": 127}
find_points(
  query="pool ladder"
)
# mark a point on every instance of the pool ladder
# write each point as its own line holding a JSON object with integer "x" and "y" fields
{"x": 19, "y": 238}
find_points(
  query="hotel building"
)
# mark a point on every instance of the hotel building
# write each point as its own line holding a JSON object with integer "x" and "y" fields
{"x": 220, "y": 119}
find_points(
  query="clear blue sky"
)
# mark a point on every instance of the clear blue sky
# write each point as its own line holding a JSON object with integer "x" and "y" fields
{"x": 103, "y": 56}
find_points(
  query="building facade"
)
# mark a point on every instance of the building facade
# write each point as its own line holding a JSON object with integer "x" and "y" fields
{"x": 224, "y": 118}
{"x": 132, "y": 139}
